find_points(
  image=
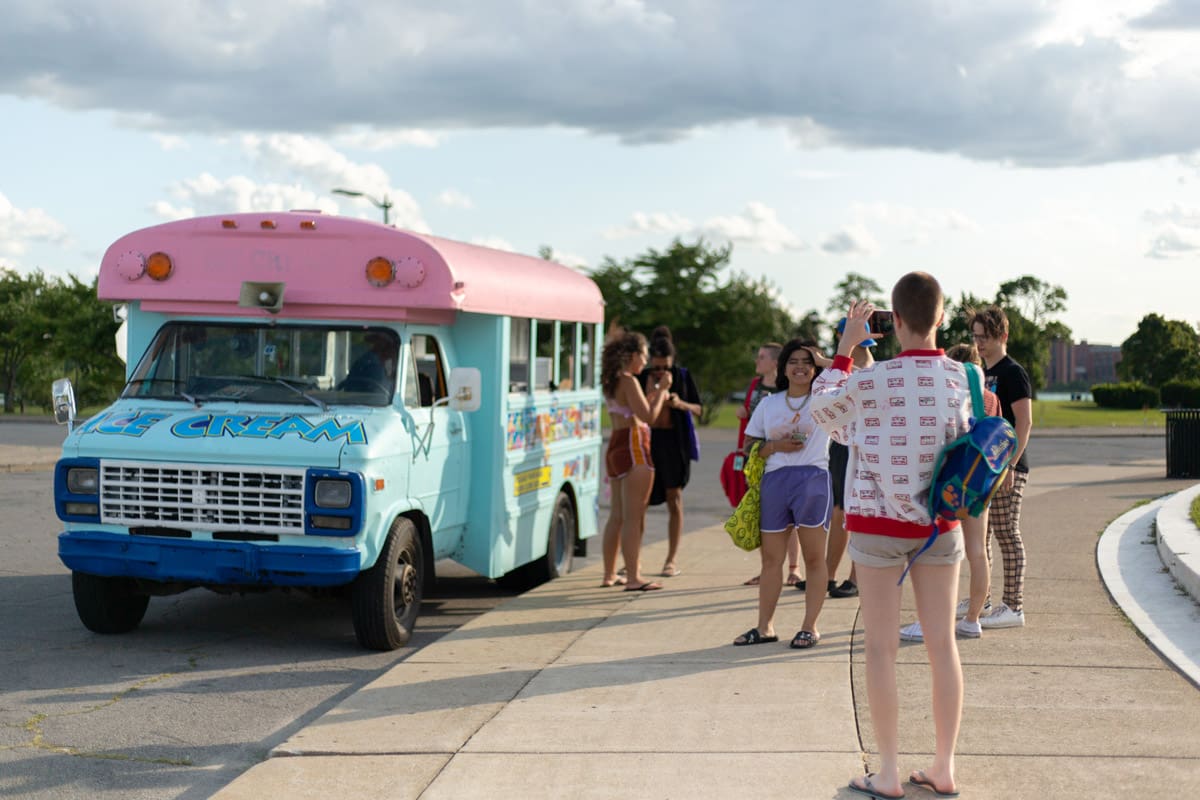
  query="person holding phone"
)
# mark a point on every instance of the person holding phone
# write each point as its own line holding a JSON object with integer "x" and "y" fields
{"x": 796, "y": 495}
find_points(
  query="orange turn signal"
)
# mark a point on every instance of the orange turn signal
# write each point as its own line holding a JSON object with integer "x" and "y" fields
{"x": 159, "y": 266}
{"x": 380, "y": 271}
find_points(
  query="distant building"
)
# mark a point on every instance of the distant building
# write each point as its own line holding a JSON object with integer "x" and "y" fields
{"x": 1082, "y": 364}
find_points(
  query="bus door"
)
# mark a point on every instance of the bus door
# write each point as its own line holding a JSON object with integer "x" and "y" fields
{"x": 438, "y": 475}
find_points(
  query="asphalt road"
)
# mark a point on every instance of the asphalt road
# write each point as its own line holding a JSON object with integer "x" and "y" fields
{"x": 209, "y": 683}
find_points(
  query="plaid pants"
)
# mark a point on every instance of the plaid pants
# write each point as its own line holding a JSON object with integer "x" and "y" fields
{"x": 1004, "y": 517}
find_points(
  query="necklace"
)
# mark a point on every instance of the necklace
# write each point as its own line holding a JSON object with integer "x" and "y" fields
{"x": 803, "y": 402}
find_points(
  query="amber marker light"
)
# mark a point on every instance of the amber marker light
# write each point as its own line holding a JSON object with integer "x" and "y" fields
{"x": 267, "y": 224}
{"x": 159, "y": 266}
{"x": 308, "y": 224}
{"x": 228, "y": 223}
{"x": 380, "y": 271}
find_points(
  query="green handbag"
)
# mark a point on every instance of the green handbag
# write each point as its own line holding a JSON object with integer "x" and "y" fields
{"x": 743, "y": 525}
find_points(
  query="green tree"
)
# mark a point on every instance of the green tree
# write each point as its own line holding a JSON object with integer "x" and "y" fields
{"x": 717, "y": 318}
{"x": 26, "y": 326}
{"x": 1160, "y": 350}
{"x": 52, "y": 328}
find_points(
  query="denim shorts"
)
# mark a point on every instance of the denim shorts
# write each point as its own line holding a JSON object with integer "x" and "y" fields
{"x": 799, "y": 496}
{"x": 873, "y": 550}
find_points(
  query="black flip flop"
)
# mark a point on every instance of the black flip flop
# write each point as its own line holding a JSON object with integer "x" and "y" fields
{"x": 804, "y": 640}
{"x": 752, "y": 636}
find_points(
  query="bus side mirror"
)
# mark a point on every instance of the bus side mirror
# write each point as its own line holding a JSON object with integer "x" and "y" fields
{"x": 465, "y": 386}
{"x": 63, "y": 399}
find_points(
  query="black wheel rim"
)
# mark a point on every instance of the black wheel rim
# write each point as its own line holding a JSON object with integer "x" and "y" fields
{"x": 405, "y": 594}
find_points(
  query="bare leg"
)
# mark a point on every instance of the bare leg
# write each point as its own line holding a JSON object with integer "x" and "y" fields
{"x": 935, "y": 587}
{"x": 838, "y": 537}
{"x": 636, "y": 494}
{"x": 770, "y": 582}
{"x": 974, "y": 540}
{"x": 674, "y": 526}
{"x": 612, "y": 533}
{"x": 812, "y": 543}
{"x": 793, "y": 555}
{"x": 880, "y": 603}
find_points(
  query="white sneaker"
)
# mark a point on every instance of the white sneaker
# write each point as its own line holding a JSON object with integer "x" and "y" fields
{"x": 964, "y": 606}
{"x": 968, "y": 630}
{"x": 1003, "y": 617}
{"x": 912, "y": 633}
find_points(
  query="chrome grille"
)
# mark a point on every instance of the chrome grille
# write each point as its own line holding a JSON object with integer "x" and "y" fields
{"x": 202, "y": 496}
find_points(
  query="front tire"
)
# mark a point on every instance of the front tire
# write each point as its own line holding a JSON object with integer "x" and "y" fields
{"x": 108, "y": 605}
{"x": 386, "y": 598}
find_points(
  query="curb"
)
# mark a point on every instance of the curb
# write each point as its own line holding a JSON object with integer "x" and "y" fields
{"x": 1138, "y": 584}
{"x": 1179, "y": 541}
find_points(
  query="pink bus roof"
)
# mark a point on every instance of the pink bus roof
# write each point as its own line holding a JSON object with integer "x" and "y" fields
{"x": 321, "y": 260}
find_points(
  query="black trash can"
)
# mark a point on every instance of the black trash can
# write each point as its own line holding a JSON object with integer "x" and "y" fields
{"x": 1183, "y": 443}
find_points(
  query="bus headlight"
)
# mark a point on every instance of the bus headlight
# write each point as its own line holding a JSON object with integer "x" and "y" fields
{"x": 83, "y": 480}
{"x": 333, "y": 494}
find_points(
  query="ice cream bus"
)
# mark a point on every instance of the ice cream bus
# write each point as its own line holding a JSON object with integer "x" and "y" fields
{"x": 315, "y": 401}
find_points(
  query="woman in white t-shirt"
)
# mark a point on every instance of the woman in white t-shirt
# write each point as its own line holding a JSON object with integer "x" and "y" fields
{"x": 796, "y": 493}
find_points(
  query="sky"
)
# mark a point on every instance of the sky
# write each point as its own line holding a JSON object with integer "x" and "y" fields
{"x": 979, "y": 140}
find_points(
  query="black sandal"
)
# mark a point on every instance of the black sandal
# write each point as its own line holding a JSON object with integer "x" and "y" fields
{"x": 752, "y": 636}
{"x": 804, "y": 640}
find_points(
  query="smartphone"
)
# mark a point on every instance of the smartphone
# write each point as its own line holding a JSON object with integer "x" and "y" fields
{"x": 881, "y": 323}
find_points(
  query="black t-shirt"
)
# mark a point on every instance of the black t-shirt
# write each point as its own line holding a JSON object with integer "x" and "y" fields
{"x": 1010, "y": 382}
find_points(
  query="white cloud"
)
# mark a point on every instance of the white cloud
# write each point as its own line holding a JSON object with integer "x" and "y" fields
{"x": 917, "y": 225}
{"x": 1173, "y": 242}
{"x": 758, "y": 227}
{"x": 293, "y": 161}
{"x": 207, "y": 194}
{"x": 851, "y": 240}
{"x": 19, "y": 228}
{"x": 657, "y": 223}
{"x": 453, "y": 198}
{"x": 1175, "y": 214}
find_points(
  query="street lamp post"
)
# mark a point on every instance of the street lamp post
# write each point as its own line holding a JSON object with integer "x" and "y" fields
{"x": 385, "y": 203}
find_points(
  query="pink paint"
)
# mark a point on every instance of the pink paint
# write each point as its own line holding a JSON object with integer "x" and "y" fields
{"x": 324, "y": 272}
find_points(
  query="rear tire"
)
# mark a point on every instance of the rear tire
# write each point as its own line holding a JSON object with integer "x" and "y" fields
{"x": 108, "y": 605}
{"x": 560, "y": 551}
{"x": 386, "y": 598}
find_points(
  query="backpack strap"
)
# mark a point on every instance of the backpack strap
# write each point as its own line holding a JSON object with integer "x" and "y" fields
{"x": 976, "y": 383}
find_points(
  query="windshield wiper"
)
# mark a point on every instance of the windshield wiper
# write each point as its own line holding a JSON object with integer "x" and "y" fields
{"x": 316, "y": 401}
{"x": 172, "y": 381}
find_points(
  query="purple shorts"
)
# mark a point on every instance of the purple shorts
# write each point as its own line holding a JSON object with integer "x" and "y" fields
{"x": 798, "y": 496}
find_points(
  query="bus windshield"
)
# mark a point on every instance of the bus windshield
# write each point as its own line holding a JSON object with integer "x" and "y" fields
{"x": 264, "y": 363}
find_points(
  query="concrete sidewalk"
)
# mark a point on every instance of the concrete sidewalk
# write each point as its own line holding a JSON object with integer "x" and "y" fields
{"x": 574, "y": 690}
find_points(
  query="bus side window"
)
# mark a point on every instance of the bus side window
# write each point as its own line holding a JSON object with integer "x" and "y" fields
{"x": 566, "y": 357}
{"x": 587, "y": 355}
{"x": 518, "y": 355}
{"x": 412, "y": 396}
{"x": 543, "y": 372}
{"x": 430, "y": 372}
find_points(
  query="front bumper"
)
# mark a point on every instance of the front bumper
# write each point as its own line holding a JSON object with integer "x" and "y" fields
{"x": 204, "y": 563}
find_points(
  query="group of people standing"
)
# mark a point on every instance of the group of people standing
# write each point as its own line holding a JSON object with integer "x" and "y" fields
{"x": 849, "y": 446}
{"x": 652, "y": 406}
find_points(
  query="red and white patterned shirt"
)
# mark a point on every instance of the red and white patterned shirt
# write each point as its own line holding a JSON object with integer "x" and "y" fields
{"x": 895, "y": 416}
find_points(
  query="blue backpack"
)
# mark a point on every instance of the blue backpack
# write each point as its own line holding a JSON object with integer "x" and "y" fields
{"x": 970, "y": 469}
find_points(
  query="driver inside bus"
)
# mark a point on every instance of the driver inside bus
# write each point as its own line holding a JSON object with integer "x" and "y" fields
{"x": 375, "y": 369}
